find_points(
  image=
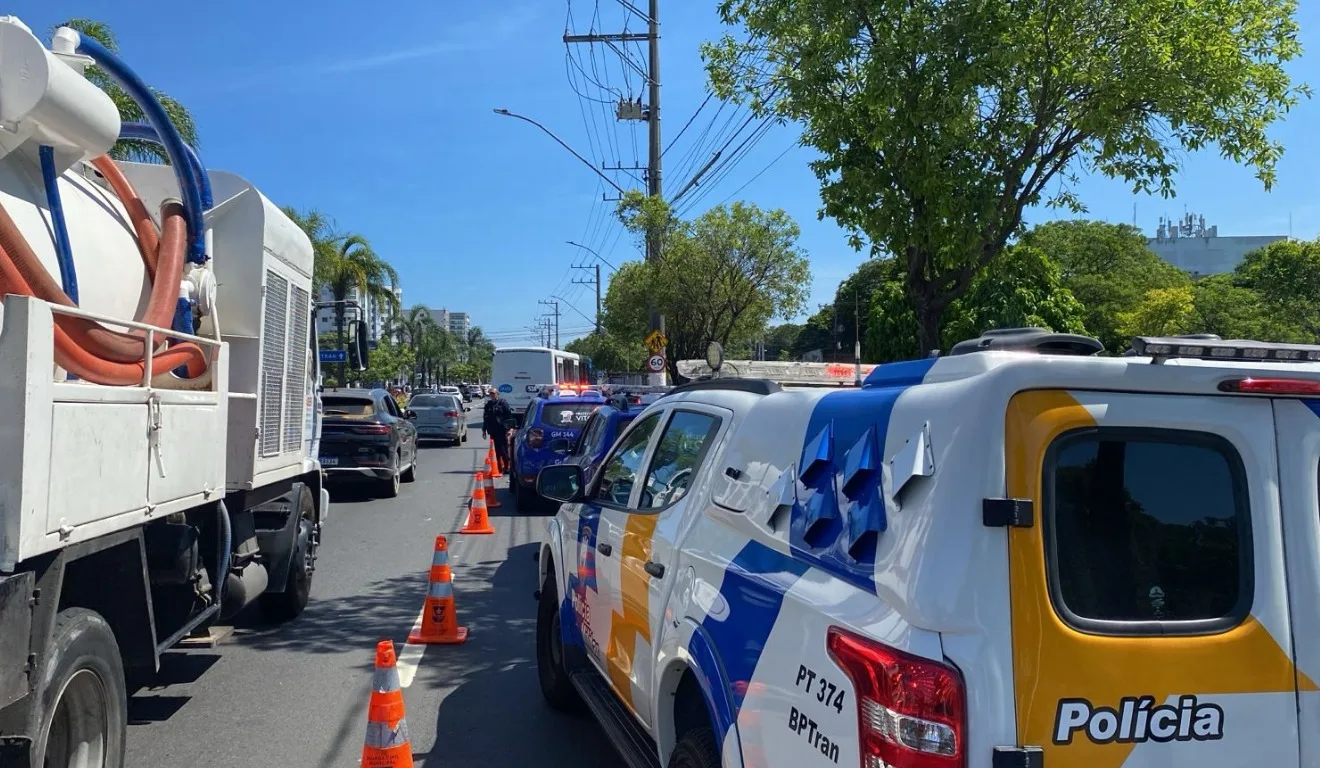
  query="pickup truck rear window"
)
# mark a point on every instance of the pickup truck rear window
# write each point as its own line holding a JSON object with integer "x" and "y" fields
{"x": 1146, "y": 529}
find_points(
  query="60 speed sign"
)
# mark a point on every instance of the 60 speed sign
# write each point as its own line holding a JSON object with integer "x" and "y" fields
{"x": 655, "y": 363}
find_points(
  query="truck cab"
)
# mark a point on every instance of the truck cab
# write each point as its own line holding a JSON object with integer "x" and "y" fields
{"x": 1022, "y": 553}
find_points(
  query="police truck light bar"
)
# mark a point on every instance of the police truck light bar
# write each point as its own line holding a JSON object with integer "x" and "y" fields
{"x": 1221, "y": 349}
{"x": 786, "y": 373}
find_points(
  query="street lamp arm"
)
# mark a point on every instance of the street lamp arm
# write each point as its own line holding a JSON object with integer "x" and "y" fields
{"x": 561, "y": 143}
{"x": 593, "y": 253}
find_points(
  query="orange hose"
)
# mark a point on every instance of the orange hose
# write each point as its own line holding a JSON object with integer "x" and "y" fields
{"x": 75, "y": 358}
{"x": 84, "y": 347}
{"x": 148, "y": 238}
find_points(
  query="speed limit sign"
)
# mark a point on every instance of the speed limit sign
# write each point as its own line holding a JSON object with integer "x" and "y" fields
{"x": 655, "y": 363}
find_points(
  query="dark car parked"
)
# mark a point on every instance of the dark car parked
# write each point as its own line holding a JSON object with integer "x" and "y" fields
{"x": 365, "y": 434}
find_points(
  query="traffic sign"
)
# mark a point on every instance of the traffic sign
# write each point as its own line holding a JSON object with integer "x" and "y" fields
{"x": 655, "y": 364}
{"x": 656, "y": 341}
{"x": 334, "y": 356}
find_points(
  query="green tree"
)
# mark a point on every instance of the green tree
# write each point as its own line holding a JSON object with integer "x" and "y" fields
{"x": 1161, "y": 312}
{"x": 721, "y": 277}
{"x": 1286, "y": 275}
{"x": 1109, "y": 268}
{"x": 817, "y": 334}
{"x": 780, "y": 339}
{"x": 938, "y": 123}
{"x": 610, "y": 353}
{"x": 389, "y": 362}
{"x": 1022, "y": 288}
{"x": 1235, "y": 312}
{"x": 129, "y": 111}
{"x": 346, "y": 265}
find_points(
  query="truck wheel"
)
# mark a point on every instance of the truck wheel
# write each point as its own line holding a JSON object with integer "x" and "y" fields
{"x": 696, "y": 749}
{"x": 81, "y": 715}
{"x": 557, "y": 689}
{"x": 389, "y": 487}
{"x": 289, "y": 604}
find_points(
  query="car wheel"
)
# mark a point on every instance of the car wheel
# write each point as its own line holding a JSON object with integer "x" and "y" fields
{"x": 551, "y": 671}
{"x": 525, "y": 500}
{"x": 697, "y": 749}
{"x": 390, "y": 485}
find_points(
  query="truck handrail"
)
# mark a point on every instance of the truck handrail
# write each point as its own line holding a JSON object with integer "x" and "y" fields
{"x": 148, "y": 339}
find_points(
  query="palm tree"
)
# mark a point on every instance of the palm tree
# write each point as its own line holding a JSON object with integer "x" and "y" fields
{"x": 129, "y": 111}
{"x": 411, "y": 329}
{"x": 346, "y": 264}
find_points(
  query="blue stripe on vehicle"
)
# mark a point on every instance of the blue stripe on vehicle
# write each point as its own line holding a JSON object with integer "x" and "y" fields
{"x": 713, "y": 682}
{"x": 581, "y": 569}
{"x": 754, "y": 587}
{"x": 840, "y": 511}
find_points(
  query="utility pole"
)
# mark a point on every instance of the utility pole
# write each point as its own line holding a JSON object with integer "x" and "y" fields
{"x": 596, "y": 283}
{"x": 554, "y": 304}
{"x": 651, "y": 114}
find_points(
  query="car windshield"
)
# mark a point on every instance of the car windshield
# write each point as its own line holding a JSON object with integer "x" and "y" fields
{"x": 431, "y": 401}
{"x": 348, "y": 406}
{"x": 567, "y": 415}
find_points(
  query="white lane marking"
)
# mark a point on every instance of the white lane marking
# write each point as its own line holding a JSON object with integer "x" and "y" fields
{"x": 410, "y": 655}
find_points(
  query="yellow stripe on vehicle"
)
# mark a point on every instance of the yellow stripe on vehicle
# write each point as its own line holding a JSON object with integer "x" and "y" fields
{"x": 1053, "y": 662}
{"x": 633, "y": 620}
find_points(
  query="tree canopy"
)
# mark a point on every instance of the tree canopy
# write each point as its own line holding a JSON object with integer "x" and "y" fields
{"x": 938, "y": 123}
{"x": 721, "y": 277}
{"x": 129, "y": 111}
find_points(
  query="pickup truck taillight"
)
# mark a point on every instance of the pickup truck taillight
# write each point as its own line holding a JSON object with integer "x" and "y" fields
{"x": 535, "y": 437}
{"x": 911, "y": 712}
{"x": 372, "y": 429}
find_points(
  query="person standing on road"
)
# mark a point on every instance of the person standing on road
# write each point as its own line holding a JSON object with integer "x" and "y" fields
{"x": 494, "y": 419}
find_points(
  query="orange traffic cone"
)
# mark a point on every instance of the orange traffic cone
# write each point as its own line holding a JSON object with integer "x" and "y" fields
{"x": 386, "y": 745}
{"x": 477, "y": 521}
{"x": 493, "y": 462}
{"x": 439, "y": 615}
{"x": 492, "y": 501}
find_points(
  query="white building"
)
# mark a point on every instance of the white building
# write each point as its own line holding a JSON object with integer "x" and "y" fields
{"x": 1192, "y": 246}
{"x": 378, "y": 314}
{"x": 459, "y": 324}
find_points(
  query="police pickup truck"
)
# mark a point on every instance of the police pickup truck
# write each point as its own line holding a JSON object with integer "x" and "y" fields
{"x": 1021, "y": 553}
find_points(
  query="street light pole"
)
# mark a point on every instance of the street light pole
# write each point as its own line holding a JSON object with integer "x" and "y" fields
{"x": 593, "y": 252}
{"x": 562, "y": 143}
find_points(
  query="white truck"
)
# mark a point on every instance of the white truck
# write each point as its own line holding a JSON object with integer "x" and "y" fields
{"x": 159, "y": 385}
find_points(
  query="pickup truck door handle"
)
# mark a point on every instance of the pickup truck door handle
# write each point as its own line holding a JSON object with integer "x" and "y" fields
{"x": 655, "y": 569}
{"x": 604, "y": 548}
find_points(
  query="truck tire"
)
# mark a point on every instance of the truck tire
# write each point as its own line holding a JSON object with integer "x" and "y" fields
{"x": 697, "y": 749}
{"x": 80, "y": 716}
{"x": 551, "y": 671}
{"x": 289, "y": 604}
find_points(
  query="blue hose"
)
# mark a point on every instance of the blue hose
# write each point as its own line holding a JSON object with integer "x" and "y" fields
{"x": 174, "y": 146}
{"x": 63, "y": 252}
{"x": 144, "y": 132}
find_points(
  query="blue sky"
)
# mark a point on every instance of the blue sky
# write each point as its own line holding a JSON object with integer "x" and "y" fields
{"x": 381, "y": 116}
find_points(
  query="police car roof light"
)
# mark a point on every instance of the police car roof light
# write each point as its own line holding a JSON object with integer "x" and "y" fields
{"x": 912, "y": 712}
{"x": 1211, "y": 347}
{"x": 1300, "y": 387}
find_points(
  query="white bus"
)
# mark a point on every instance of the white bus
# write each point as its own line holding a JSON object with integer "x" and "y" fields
{"x": 518, "y": 373}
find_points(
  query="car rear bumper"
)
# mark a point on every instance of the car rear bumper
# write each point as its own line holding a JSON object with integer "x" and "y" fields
{"x": 374, "y": 473}
{"x": 439, "y": 433}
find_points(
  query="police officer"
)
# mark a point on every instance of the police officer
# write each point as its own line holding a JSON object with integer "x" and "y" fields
{"x": 494, "y": 417}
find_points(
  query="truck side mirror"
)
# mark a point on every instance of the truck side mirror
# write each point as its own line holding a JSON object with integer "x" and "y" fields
{"x": 358, "y": 349}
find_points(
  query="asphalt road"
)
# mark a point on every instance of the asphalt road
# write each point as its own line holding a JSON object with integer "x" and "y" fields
{"x": 296, "y": 695}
